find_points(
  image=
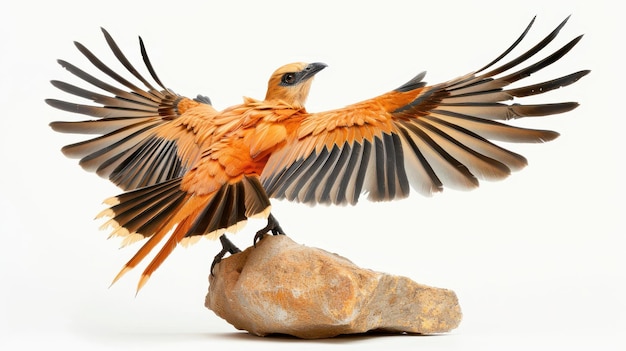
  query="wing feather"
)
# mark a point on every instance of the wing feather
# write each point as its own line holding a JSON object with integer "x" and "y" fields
{"x": 144, "y": 138}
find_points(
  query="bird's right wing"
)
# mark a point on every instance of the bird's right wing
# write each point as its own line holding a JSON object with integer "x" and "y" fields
{"x": 144, "y": 135}
{"x": 418, "y": 136}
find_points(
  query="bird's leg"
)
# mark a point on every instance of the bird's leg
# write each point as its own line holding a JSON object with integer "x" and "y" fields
{"x": 272, "y": 226}
{"x": 227, "y": 247}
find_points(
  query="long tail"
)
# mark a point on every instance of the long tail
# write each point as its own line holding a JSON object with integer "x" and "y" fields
{"x": 152, "y": 212}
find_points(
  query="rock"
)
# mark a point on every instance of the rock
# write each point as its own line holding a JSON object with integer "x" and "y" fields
{"x": 281, "y": 287}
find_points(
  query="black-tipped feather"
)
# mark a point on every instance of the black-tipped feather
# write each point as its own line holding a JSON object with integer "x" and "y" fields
{"x": 546, "y": 86}
{"x": 440, "y": 160}
{"x": 97, "y": 111}
{"x": 378, "y": 192}
{"x": 256, "y": 200}
{"x": 398, "y": 163}
{"x": 495, "y": 130}
{"x": 107, "y": 101}
{"x": 124, "y": 61}
{"x": 342, "y": 192}
{"x": 344, "y": 153}
{"x": 361, "y": 170}
{"x": 427, "y": 169}
{"x": 119, "y": 93}
{"x": 101, "y": 126}
{"x": 146, "y": 60}
{"x": 510, "y": 48}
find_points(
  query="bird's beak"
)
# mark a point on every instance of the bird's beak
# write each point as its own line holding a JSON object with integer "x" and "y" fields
{"x": 311, "y": 69}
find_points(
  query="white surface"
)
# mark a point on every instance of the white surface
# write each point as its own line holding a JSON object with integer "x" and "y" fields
{"x": 536, "y": 260}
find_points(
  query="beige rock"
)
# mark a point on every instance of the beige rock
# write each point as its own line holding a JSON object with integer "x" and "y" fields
{"x": 281, "y": 287}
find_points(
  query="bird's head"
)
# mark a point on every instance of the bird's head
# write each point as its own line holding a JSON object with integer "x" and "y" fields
{"x": 291, "y": 83}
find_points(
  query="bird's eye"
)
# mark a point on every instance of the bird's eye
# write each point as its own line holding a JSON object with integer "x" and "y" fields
{"x": 289, "y": 78}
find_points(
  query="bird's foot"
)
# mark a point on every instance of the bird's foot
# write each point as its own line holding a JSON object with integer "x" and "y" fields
{"x": 227, "y": 247}
{"x": 272, "y": 226}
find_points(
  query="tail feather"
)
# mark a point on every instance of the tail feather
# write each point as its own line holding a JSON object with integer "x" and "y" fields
{"x": 153, "y": 211}
{"x": 142, "y": 216}
{"x": 175, "y": 238}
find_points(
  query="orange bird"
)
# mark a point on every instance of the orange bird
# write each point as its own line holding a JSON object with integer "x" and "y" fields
{"x": 190, "y": 171}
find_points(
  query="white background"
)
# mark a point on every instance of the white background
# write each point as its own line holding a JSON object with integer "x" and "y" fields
{"x": 536, "y": 261}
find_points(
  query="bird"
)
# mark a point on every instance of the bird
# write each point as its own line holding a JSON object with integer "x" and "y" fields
{"x": 187, "y": 170}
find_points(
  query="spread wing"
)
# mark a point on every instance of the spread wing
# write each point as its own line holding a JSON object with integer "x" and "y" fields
{"x": 424, "y": 137}
{"x": 156, "y": 145}
{"x": 143, "y": 138}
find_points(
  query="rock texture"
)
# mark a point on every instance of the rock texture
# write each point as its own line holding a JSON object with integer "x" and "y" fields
{"x": 281, "y": 287}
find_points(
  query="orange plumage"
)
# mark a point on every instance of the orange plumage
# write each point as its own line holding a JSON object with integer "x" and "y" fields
{"x": 189, "y": 170}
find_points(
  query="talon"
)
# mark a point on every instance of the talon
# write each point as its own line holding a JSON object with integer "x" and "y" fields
{"x": 272, "y": 226}
{"x": 227, "y": 247}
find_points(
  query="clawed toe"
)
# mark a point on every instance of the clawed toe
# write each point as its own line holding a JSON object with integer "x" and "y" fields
{"x": 227, "y": 247}
{"x": 272, "y": 226}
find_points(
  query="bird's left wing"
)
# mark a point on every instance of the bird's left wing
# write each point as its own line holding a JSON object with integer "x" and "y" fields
{"x": 160, "y": 148}
{"x": 425, "y": 137}
{"x": 144, "y": 137}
